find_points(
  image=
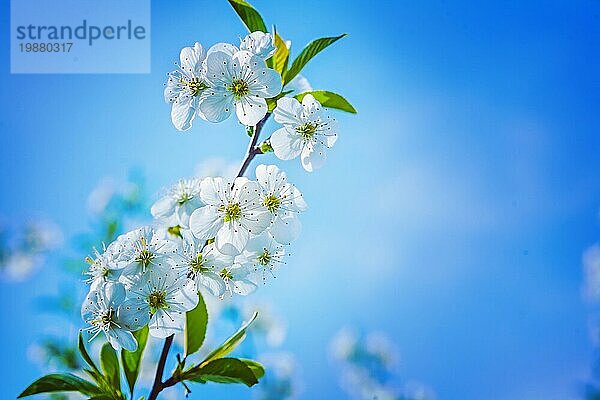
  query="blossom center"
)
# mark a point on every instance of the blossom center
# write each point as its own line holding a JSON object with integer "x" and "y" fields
{"x": 197, "y": 264}
{"x": 144, "y": 258}
{"x": 272, "y": 203}
{"x": 104, "y": 320}
{"x": 264, "y": 258}
{"x": 157, "y": 300}
{"x": 306, "y": 130}
{"x": 195, "y": 85}
{"x": 226, "y": 274}
{"x": 239, "y": 88}
{"x": 232, "y": 211}
{"x": 184, "y": 198}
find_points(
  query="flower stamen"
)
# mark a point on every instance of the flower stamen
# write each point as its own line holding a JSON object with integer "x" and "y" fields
{"x": 157, "y": 301}
{"x": 232, "y": 211}
{"x": 239, "y": 88}
{"x": 306, "y": 130}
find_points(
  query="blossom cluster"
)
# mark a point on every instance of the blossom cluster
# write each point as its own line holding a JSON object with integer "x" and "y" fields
{"x": 212, "y": 233}
{"x": 213, "y": 84}
{"x": 222, "y": 235}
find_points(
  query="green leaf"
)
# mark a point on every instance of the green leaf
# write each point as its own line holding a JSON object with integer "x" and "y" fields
{"x": 265, "y": 147}
{"x": 250, "y": 17}
{"x": 86, "y": 355}
{"x": 99, "y": 378}
{"x": 223, "y": 370}
{"x": 257, "y": 369}
{"x": 313, "y": 48}
{"x": 281, "y": 56}
{"x": 329, "y": 100}
{"x": 61, "y": 383}
{"x": 195, "y": 327}
{"x": 132, "y": 359}
{"x": 110, "y": 366}
{"x": 231, "y": 343}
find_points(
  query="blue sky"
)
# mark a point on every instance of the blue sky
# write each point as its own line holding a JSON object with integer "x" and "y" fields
{"x": 451, "y": 214}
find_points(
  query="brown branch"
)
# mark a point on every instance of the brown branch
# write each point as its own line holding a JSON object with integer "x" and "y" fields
{"x": 158, "y": 385}
{"x": 252, "y": 149}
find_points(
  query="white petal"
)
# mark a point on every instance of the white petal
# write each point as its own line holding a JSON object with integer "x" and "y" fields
{"x": 164, "y": 207}
{"x": 248, "y": 61}
{"x": 114, "y": 294}
{"x": 270, "y": 177}
{"x": 205, "y": 222}
{"x": 313, "y": 157}
{"x": 185, "y": 210}
{"x": 288, "y": 111}
{"x": 89, "y": 305}
{"x": 221, "y": 69}
{"x": 286, "y": 228}
{"x": 214, "y": 191}
{"x": 246, "y": 193}
{"x": 231, "y": 238}
{"x": 191, "y": 59}
{"x": 286, "y": 143}
{"x": 216, "y": 104}
{"x": 226, "y": 48}
{"x": 258, "y": 243}
{"x": 212, "y": 282}
{"x": 172, "y": 88}
{"x": 186, "y": 298}
{"x": 292, "y": 199}
{"x": 312, "y": 108}
{"x": 133, "y": 314}
{"x": 329, "y": 140}
{"x": 183, "y": 111}
{"x": 250, "y": 109}
{"x": 121, "y": 338}
{"x": 259, "y": 43}
{"x": 257, "y": 220}
{"x": 266, "y": 82}
{"x": 164, "y": 324}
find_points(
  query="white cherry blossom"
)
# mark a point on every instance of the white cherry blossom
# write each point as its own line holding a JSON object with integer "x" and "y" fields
{"x": 232, "y": 213}
{"x": 283, "y": 200}
{"x": 202, "y": 263}
{"x": 140, "y": 251}
{"x": 259, "y": 43}
{"x": 242, "y": 82}
{"x": 262, "y": 256}
{"x": 237, "y": 280}
{"x": 178, "y": 204}
{"x": 159, "y": 299}
{"x": 101, "y": 310}
{"x": 307, "y": 131}
{"x": 185, "y": 85}
{"x": 103, "y": 268}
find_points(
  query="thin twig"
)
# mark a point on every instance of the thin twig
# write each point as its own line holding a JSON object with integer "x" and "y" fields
{"x": 252, "y": 149}
{"x": 157, "y": 386}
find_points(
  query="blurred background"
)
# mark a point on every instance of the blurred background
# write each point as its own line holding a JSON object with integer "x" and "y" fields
{"x": 449, "y": 249}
